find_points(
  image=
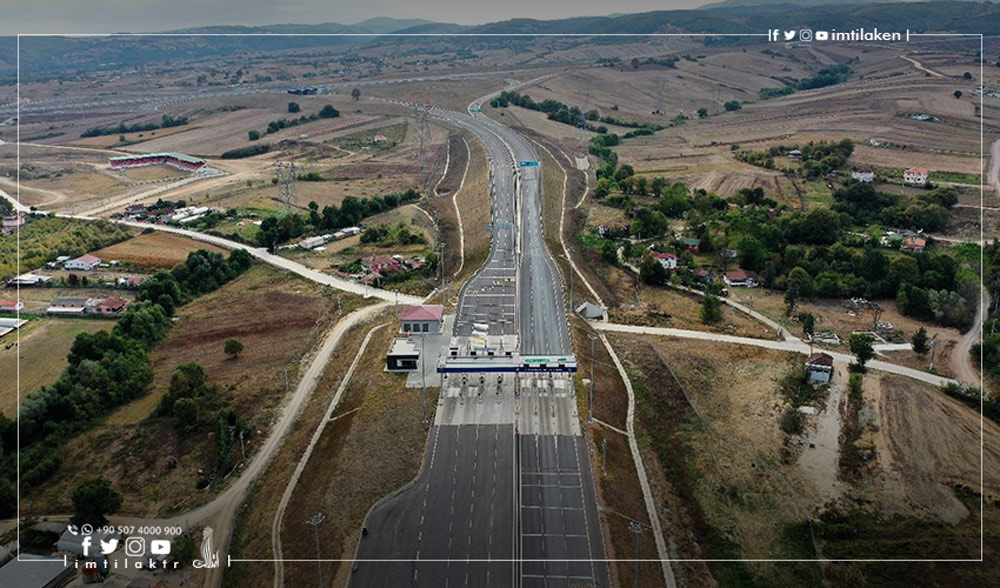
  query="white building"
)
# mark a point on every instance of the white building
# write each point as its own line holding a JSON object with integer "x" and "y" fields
{"x": 422, "y": 318}
{"x": 915, "y": 176}
{"x": 862, "y": 175}
{"x": 85, "y": 262}
{"x": 667, "y": 260}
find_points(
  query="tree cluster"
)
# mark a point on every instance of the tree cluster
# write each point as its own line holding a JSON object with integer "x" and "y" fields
{"x": 107, "y": 369}
{"x": 166, "y": 121}
{"x": 276, "y": 230}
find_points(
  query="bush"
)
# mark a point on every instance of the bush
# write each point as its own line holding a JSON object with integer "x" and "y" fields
{"x": 792, "y": 421}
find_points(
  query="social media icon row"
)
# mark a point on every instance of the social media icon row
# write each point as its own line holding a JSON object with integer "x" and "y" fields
{"x": 804, "y": 35}
{"x": 134, "y": 546}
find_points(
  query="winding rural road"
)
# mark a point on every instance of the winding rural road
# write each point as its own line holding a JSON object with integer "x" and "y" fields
{"x": 793, "y": 345}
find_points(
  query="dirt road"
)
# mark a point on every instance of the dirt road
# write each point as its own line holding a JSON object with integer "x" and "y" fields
{"x": 961, "y": 359}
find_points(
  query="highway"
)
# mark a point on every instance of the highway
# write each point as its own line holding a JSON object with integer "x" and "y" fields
{"x": 506, "y": 496}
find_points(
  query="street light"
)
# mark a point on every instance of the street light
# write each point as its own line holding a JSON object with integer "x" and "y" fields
{"x": 593, "y": 338}
{"x": 637, "y": 529}
{"x": 315, "y": 521}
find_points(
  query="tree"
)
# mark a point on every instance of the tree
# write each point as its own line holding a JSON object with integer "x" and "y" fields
{"x": 752, "y": 254}
{"x": 732, "y": 105}
{"x": 293, "y": 107}
{"x": 967, "y": 75}
{"x": 702, "y": 113}
{"x": 958, "y": 93}
{"x": 808, "y": 321}
{"x": 233, "y": 348}
{"x": 791, "y": 300}
{"x": 711, "y": 310}
{"x": 356, "y": 94}
{"x": 329, "y": 111}
{"x": 94, "y": 499}
{"x": 862, "y": 346}
{"x": 609, "y": 252}
{"x": 652, "y": 271}
{"x": 800, "y": 280}
{"x": 253, "y": 135}
{"x": 919, "y": 341}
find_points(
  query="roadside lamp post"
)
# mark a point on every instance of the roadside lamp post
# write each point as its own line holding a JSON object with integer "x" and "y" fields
{"x": 315, "y": 522}
{"x": 637, "y": 529}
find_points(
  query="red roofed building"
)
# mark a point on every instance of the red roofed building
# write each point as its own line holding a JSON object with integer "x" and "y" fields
{"x": 422, "y": 318}
{"x": 915, "y": 176}
{"x": 382, "y": 263}
{"x": 110, "y": 306}
{"x": 744, "y": 278}
{"x": 913, "y": 243}
{"x": 667, "y": 260}
{"x": 10, "y": 305}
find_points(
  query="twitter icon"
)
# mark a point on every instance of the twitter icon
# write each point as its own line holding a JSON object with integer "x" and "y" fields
{"x": 109, "y": 546}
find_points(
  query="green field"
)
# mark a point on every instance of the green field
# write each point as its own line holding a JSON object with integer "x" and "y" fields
{"x": 43, "y": 239}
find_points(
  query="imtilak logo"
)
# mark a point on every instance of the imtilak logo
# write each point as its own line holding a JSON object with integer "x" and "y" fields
{"x": 861, "y": 34}
{"x": 210, "y": 558}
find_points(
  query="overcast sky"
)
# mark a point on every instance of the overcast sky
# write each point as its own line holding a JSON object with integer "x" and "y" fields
{"x": 107, "y": 16}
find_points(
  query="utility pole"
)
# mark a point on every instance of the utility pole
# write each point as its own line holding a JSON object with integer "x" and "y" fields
{"x": 591, "y": 403}
{"x": 315, "y": 521}
{"x": 604, "y": 457}
{"x": 637, "y": 529}
{"x": 284, "y": 171}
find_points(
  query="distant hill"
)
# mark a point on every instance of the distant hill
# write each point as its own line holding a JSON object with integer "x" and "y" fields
{"x": 789, "y": 3}
{"x": 384, "y": 24}
{"x": 46, "y": 54}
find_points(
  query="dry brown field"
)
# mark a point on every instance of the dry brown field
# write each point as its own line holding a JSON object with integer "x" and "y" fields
{"x": 156, "y": 249}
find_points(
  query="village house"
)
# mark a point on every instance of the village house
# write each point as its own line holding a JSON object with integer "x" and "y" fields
{"x": 691, "y": 244}
{"x": 819, "y": 366}
{"x": 112, "y": 306}
{"x": 863, "y": 175}
{"x": 84, "y": 262}
{"x": 422, "y": 318}
{"x": 70, "y": 305}
{"x": 29, "y": 280}
{"x": 913, "y": 243}
{"x": 703, "y": 274}
{"x": 12, "y": 223}
{"x": 667, "y": 260}
{"x": 382, "y": 263}
{"x": 381, "y": 138}
{"x": 741, "y": 278}
{"x": 612, "y": 230}
{"x": 915, "y": 176}
{"x": 11, "y": 306}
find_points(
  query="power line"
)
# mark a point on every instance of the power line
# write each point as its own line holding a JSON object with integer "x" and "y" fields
{"x": 284, "y": 171}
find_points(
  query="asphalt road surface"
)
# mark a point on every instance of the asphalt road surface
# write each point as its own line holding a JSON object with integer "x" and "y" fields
{"x": 461, "y": 508}
{"x": 492, "y": 508}
{"x": 560, "y": 534}
{"x": 476, "y": 517}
